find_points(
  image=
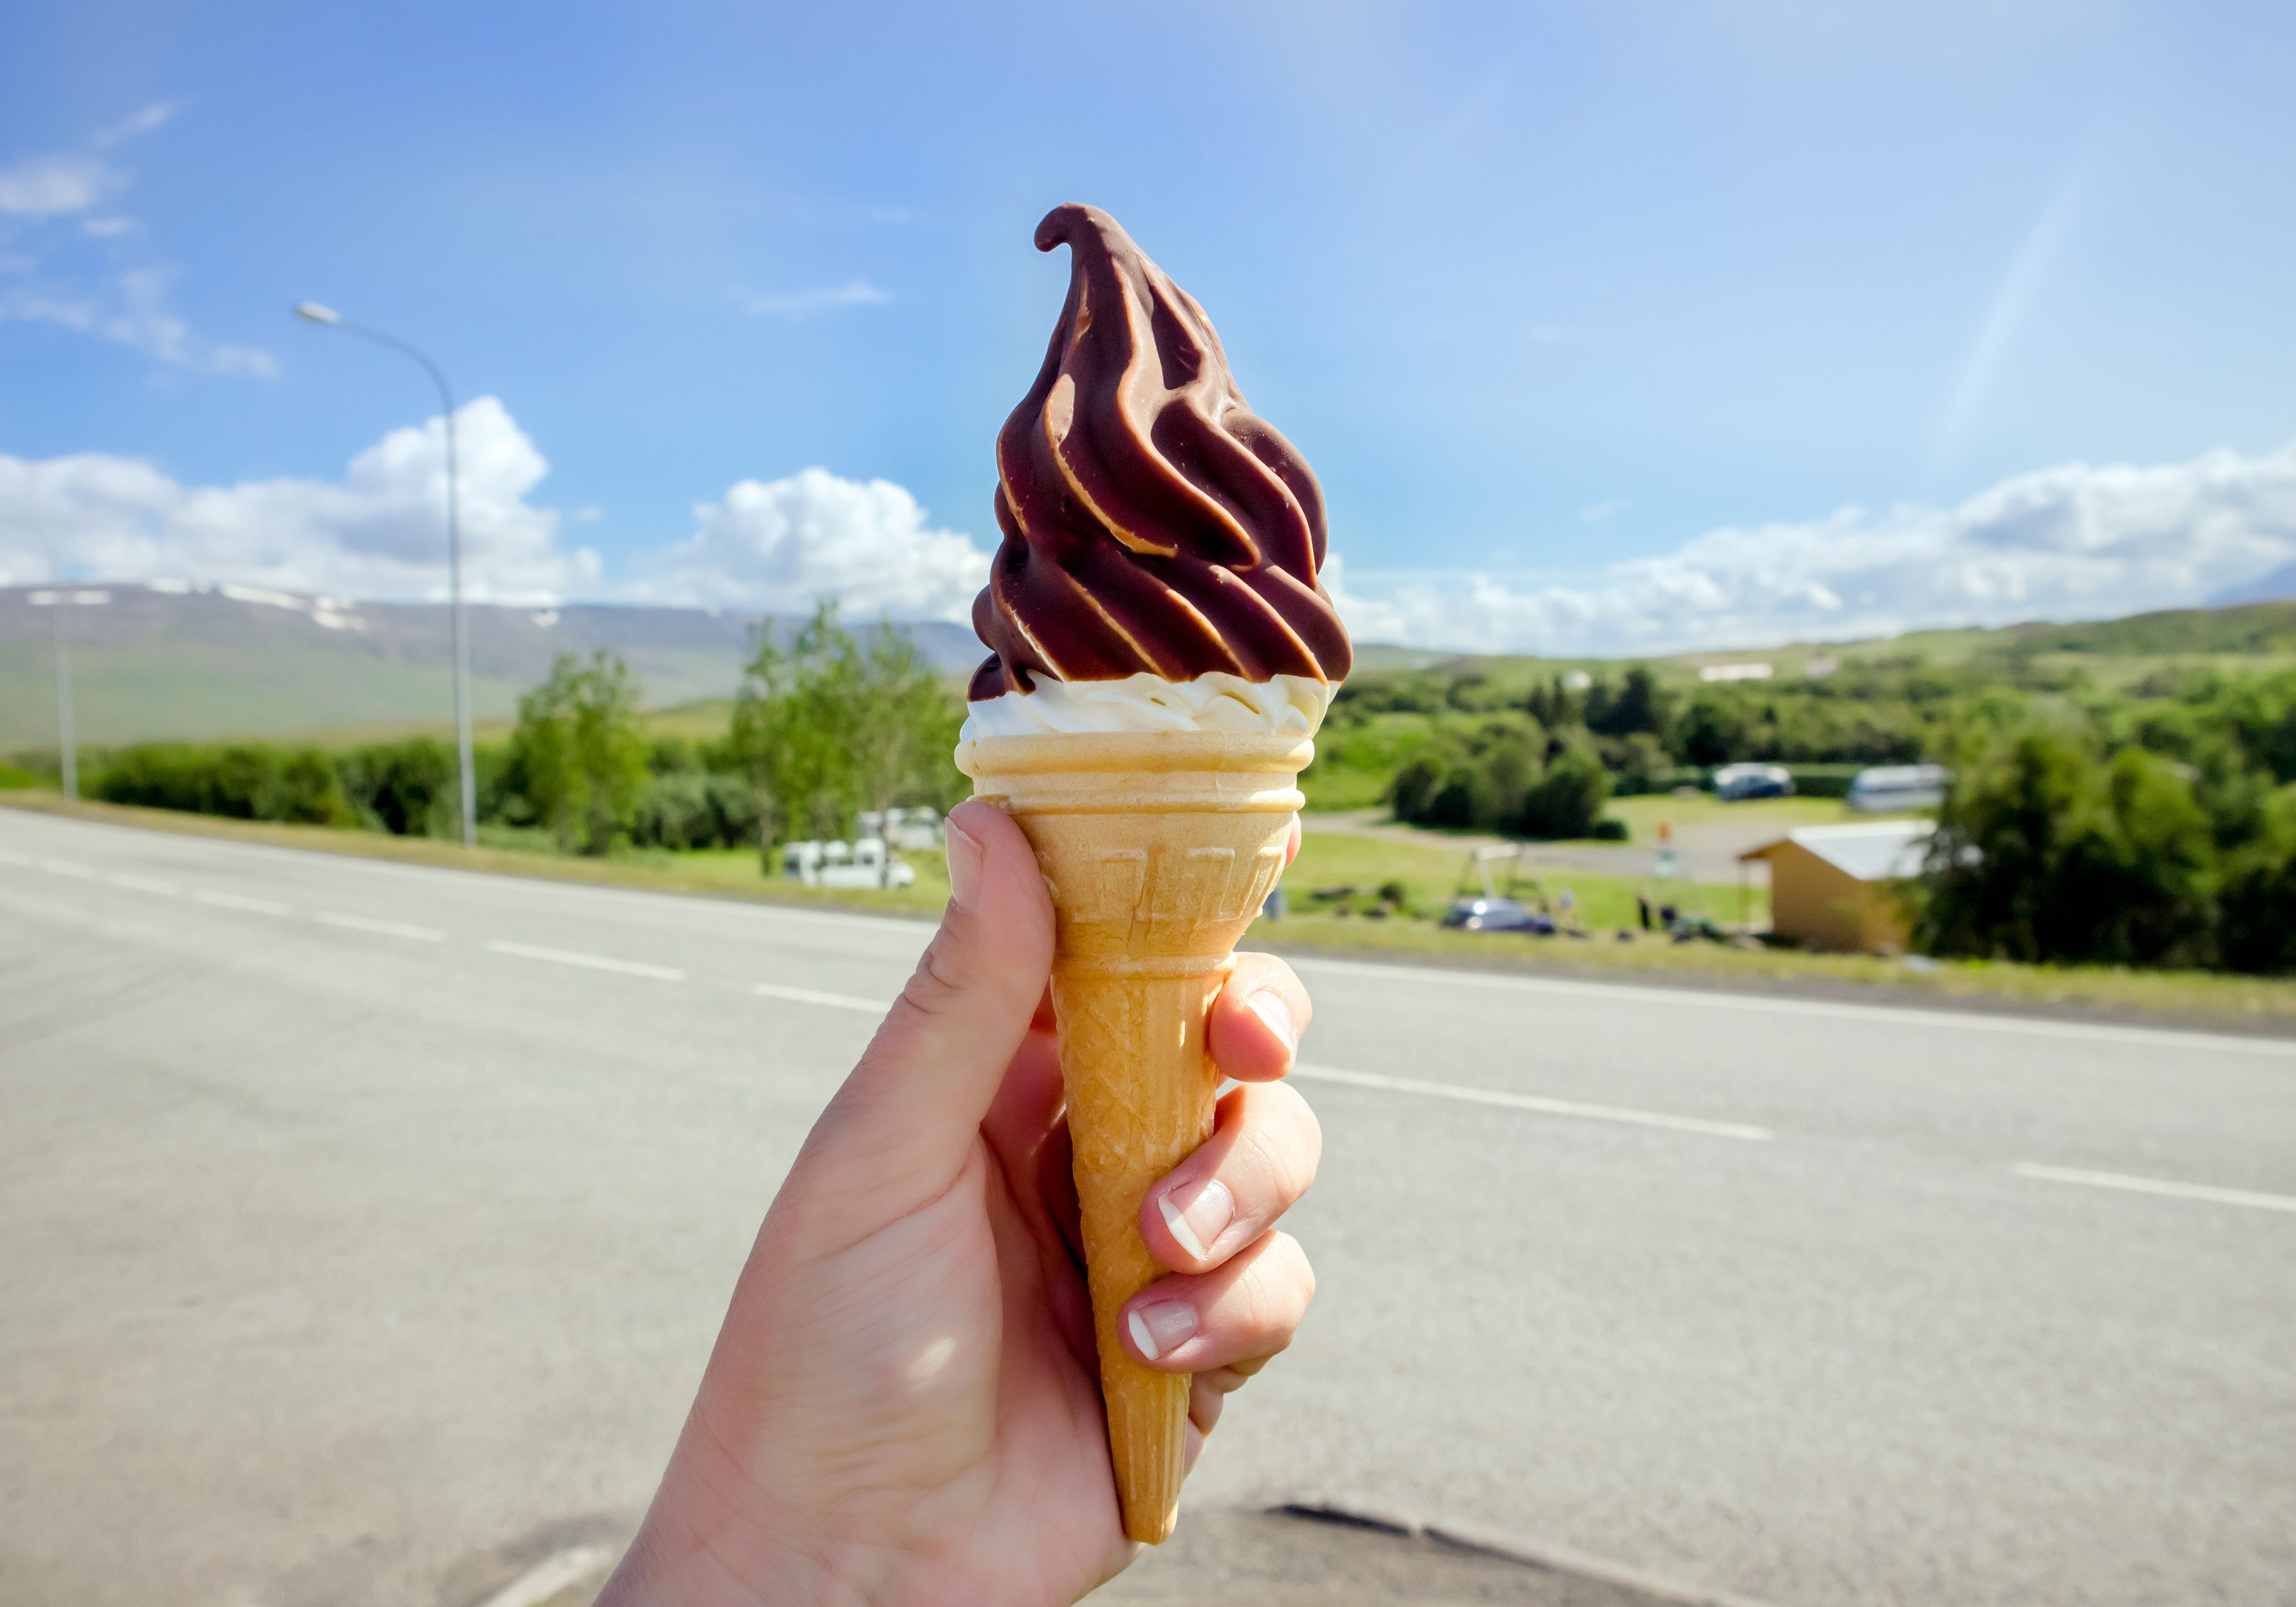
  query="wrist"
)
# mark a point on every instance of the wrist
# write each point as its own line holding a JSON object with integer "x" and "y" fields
{"x": 694, "y": 1552}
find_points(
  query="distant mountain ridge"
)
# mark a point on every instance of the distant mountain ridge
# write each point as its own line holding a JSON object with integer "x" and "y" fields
{"x": 198, "y": 661}
{"x": 180, "y": 659}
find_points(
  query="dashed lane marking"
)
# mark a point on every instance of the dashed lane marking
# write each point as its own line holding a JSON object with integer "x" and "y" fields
{"x": 260, "y": 906}
{"x": 1539, "y": 1104}
{"x": 143, "y": 884}
{"x": 2157, "y": 1185}
{"x": 389, "y": 928}
{"x": 567, "y": 956}
{"x": 67, "y": 867}
{"x": 814, "y": 995}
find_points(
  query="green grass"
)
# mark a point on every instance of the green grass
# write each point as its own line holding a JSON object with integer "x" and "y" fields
{"x": 1430, "y": 874}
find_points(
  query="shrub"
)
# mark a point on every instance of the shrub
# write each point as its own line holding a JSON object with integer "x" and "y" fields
{"x": 242, "y": 780}
{"x": 407, "y": 789}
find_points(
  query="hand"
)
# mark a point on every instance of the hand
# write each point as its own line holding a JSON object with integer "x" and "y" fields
{"x": 903, "y": 1403}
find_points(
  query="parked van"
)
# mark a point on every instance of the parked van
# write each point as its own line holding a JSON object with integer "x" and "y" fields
{"x": 865, "y": 863}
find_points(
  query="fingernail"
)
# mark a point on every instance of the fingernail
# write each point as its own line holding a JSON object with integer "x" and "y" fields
{"x": 1268, "y": 1005}
{"x": 964, "y": 856}
{"x": 1160, "y": 1329}
{"x": 1199, "y": 1225}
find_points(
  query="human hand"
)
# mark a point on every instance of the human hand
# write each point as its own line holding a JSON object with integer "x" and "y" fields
{"x": 904, "y": 1402}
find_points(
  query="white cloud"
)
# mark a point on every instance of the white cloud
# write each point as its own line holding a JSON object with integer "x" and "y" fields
{"x": 803, "y": 304}
{"x": 377, "y": 533}
{"x": 158, "y": 114}
{"x": 2071, "y": 542}
{"x": 131, "y": 308}
{"x": 41, "y": 187}
{"x": 779, "y": 545}
{"x": 133, "y": 311}
{"x": 1607, "y": 508}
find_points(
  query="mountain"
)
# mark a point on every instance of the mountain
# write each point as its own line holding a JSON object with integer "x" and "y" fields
{"x": 2273, "y": 588}
{"x": 176, "y": 660}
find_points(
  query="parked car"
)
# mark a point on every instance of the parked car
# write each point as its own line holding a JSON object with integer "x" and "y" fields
{"x": 1492, "y": 910}
{"x": 1497, "y": 914}
{"x": 1736, "y": 783}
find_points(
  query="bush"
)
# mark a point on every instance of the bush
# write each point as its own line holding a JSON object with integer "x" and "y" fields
{"x": 695, "y": 809}
{"x": 1567, "y": 799}
{"x": 1506, "y": 775}
{"x": 242, "y": 781}
{"x": 1610, "y": 828}
{"x": 407, "y": 789}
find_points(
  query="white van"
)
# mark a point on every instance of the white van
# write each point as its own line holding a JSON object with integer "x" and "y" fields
{"x": 866, "y": 863}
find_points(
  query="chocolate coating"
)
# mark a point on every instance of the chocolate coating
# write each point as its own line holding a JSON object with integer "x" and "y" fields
{"x": 1151, "y": 523}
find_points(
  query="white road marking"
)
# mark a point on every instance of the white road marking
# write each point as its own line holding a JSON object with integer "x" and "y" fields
{"x": 66, "y": 868}
{"x": 1969, "y": 1020}
{"x": 143, "y": 884}
{"x": 261, "y": 907}
{"x": 553, "y": 1576}
{"x": 2157, "y": 1185}
{"x": 389, "y": 928}
{"x": 1533, "y": 1102}
{"x": 10, "y": 856}
{"x": 567, "y": 956}
{"x": 814, "y": 995}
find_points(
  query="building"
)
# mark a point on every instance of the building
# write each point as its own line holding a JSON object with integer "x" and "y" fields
{"x": 1831, "y": 886}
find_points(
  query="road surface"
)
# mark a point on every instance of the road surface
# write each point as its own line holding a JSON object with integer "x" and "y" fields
{"x": 364, "y": 1229}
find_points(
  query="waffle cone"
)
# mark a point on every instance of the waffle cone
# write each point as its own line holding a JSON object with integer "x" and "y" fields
{"x": 1158, "y": 849}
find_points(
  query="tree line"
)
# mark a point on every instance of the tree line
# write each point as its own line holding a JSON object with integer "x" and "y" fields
{"x": 824, "y": 724}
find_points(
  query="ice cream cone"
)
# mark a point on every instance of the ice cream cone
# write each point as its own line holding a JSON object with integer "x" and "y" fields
{"x": 1158, "y": 847}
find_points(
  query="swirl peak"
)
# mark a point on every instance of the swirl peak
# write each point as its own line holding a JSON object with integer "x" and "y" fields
{"x": 1151, "y": 523}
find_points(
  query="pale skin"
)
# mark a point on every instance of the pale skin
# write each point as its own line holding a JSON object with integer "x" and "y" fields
{"x": 903, "y": 1406}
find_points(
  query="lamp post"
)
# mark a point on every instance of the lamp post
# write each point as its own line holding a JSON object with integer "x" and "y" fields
{"x": 58, "y": 599}
{"x": 312, "y": 312}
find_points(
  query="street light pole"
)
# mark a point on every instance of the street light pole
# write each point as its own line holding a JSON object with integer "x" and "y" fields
{"x": 311, "y": 312}
{"x": 58, "y": 599}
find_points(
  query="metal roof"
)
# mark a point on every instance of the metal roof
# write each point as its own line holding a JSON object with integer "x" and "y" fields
{"x": 1878, "y": 850}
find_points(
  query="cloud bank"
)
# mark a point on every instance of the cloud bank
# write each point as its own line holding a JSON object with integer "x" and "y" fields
{"x": 767, "y": 547}
{"x": 2071, "y": 542}
{"x": 378, "y": 532}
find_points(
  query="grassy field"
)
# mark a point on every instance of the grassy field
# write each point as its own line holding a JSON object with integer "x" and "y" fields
{"x": 1429, "y": 873}
{"x": 1329, "y": 859}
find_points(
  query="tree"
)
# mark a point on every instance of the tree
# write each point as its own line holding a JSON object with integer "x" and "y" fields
{"x": 826, "y": 724}
{"x": 902, "y": 725}
{"x": 579, "y": 750}
{"x": 2046, "y": 854}
{"x": 1636, "y": 705}
{"x": 786, "y": 729}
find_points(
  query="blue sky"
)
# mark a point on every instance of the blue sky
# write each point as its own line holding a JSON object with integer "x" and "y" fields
{"x": 1591, "y": 316}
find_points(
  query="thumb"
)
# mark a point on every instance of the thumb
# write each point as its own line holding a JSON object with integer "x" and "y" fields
{"x": 911, "y": 1109}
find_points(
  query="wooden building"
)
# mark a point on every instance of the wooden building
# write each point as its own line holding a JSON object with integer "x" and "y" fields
{"x": 1832, "y": 887}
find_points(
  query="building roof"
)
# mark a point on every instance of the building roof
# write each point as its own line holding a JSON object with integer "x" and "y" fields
{"x": 1878, "y": 850}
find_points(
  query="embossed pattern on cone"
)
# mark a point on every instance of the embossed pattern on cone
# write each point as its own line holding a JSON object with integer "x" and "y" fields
{"x": 1158, "y": 850}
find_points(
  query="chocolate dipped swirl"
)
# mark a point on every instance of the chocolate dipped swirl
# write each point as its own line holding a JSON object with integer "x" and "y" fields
{"x": 1152, "y": 524}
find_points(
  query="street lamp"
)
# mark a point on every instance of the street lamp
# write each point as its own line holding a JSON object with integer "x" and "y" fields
{"x": 312, "y": 312}
{"x": 58, "y": 599}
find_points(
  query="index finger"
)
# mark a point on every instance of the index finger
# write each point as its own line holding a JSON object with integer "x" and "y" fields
{"x": 1257, "y": 1021}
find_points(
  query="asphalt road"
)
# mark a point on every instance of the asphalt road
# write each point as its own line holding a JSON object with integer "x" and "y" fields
{"x": 363, "y": 1231}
